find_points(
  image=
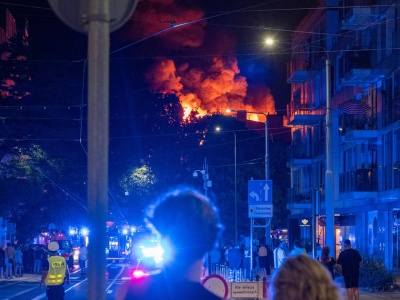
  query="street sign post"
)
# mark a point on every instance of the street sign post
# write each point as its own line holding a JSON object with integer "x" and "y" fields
{"x": 260, "y": 206}
{"x": 260, "y": 198}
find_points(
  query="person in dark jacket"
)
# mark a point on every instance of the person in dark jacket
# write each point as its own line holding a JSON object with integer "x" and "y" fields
{"x": 189, "y": 224}
{"x": 328, "y": 261}
{"x": 350, "y": 261}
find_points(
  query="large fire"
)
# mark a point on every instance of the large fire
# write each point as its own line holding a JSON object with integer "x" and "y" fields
{"x": 206, "y": 87}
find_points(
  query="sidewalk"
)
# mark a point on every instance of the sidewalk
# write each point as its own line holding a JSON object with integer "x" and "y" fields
{"x": 371, "y": 296}
{"x": 26, "y": 277}
{"x": 366, "y": 295}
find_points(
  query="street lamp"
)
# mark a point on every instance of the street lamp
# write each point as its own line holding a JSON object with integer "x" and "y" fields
{"x": 236, "y": 218}
{"x": 329, "y": 178}
{"x": 267, "y": 220}
{"x": 204, "y": 173}
{"x": 269, "y": 41}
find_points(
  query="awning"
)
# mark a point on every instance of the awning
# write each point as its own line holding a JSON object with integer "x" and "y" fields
{"x": 354, "y": 107}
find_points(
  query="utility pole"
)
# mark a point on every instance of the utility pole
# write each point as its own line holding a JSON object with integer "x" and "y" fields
{"x": 96, "y": 18}
{"x": 329, "y": 179}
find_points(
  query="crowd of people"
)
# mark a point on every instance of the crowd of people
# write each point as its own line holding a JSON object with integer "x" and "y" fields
{"x": 189, "y": 224}
{"x": 294, "y": 274}
{"x": 17, "y": 260}
{"x": 287, "y": 269}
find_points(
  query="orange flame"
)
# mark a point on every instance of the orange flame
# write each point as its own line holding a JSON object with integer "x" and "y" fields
{"x": 215, "y": 88}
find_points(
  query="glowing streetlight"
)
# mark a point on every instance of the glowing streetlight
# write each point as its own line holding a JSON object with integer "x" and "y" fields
{"x": 269, "y": 41}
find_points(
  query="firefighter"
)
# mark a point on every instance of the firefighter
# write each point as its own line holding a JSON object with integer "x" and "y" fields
{"x": 55, "y": 272}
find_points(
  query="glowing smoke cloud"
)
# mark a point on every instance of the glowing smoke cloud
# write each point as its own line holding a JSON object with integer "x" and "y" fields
{"x": 209, "y": 87}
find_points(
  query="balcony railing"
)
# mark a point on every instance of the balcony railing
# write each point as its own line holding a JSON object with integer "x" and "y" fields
{"x": 355, "y": 16}
{"x": 304, "y": 113}
{"x": 304, "y": 151}
{"x": 359, "y": 180}
{"x": 297, "y": 71}
{"x": 356, "y": 122}
{"x": 356, "y": 68}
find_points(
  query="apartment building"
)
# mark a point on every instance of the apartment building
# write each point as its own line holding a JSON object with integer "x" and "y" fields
{"x": 358, "y": 42}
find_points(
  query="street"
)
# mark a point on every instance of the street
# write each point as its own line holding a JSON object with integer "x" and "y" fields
{"x": 27, "y": 287}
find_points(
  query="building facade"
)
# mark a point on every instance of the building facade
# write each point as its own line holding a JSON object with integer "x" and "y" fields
{"x": 359, "y": 42}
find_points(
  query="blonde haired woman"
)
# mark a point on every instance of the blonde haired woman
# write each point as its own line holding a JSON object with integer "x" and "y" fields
{"x": 301, "y": 277}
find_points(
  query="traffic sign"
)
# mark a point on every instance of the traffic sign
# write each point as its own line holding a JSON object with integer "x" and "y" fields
{"x": 261, "y": 211}
{"x": 260, "y": 192}
{"x": 260, "y": 198}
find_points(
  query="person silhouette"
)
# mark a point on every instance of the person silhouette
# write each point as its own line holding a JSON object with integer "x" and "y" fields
{"x": 188, "y": 225}
{"x": 301, "y": 277}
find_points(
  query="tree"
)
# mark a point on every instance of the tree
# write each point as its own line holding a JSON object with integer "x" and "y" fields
{"x": 29, "y": 193}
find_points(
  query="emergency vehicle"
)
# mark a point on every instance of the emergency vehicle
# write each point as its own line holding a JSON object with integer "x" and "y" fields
{"x": 134, "y": 244}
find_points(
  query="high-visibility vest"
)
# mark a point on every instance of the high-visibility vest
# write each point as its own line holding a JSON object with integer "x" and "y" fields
{"x": 57, "y": 269}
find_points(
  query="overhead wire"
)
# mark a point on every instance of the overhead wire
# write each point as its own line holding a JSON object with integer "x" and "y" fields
{"x": 183, "y": 24}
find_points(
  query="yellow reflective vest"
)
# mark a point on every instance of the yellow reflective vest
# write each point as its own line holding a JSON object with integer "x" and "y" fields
{"x": 57, "y": 269}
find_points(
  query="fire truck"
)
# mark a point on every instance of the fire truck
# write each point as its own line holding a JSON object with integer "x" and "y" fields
{"x": 119, "y": 241}
{"x": 134, "y": 244}
{"x": 69, "y": 241}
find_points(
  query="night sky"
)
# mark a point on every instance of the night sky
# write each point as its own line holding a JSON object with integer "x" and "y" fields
{"x": 230, "y": 30}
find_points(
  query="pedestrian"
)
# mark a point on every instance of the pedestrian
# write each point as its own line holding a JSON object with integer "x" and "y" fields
{"x": 71, "y": 258}
{"x": 279, "y": 255}
{"x": 234, "y": 257}
{"x": 9, "y": 260}
{"x": 37, "y": 264}
{"x": 298, "y": 248}
{"x": 55, "y": 273}
{"x": 328, "y": 261}
{"x": 263, "y": 260}
{"x": 222, "y": 262}
{"x": 24, "y": 250}
{"x": 189, "y": 223}
{"x": 270, "y": 264}
{"x": 2, "y": 262}
{"x": 83, "y": 255}
{"x": 350, "y": 262}
{"x": 301, "y": 277}
{"x": 30, "y": 259}
{"x": 214, "y": 257}
{"x": 18, "y": 259}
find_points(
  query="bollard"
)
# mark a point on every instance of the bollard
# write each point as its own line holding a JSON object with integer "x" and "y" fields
{"x": 239, "y": 277}
{"x": 265, "y": 284}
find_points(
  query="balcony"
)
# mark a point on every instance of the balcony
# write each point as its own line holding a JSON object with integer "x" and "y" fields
{"x": 298, "y": 201}
{"x": 297, "y": 71}
{"x": 304, "y": 114}
{"x": 356, "y": 68}
{"x": 357, "y": 128}
{"x": 359, "y": 180}
{"x": 302, "y": 154}
{"x": 357, "y": 17}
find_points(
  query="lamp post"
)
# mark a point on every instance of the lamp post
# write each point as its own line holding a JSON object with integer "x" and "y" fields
{"x": 234, "y": 154}
{"x": 329, "y": 174}
{"x": 329, "y": 178}
{"x": 267, "y": 220}
{"x": 204, "y": 173}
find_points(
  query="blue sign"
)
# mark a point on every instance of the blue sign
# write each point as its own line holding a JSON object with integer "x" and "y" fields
{"x": 260, "y": 192}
